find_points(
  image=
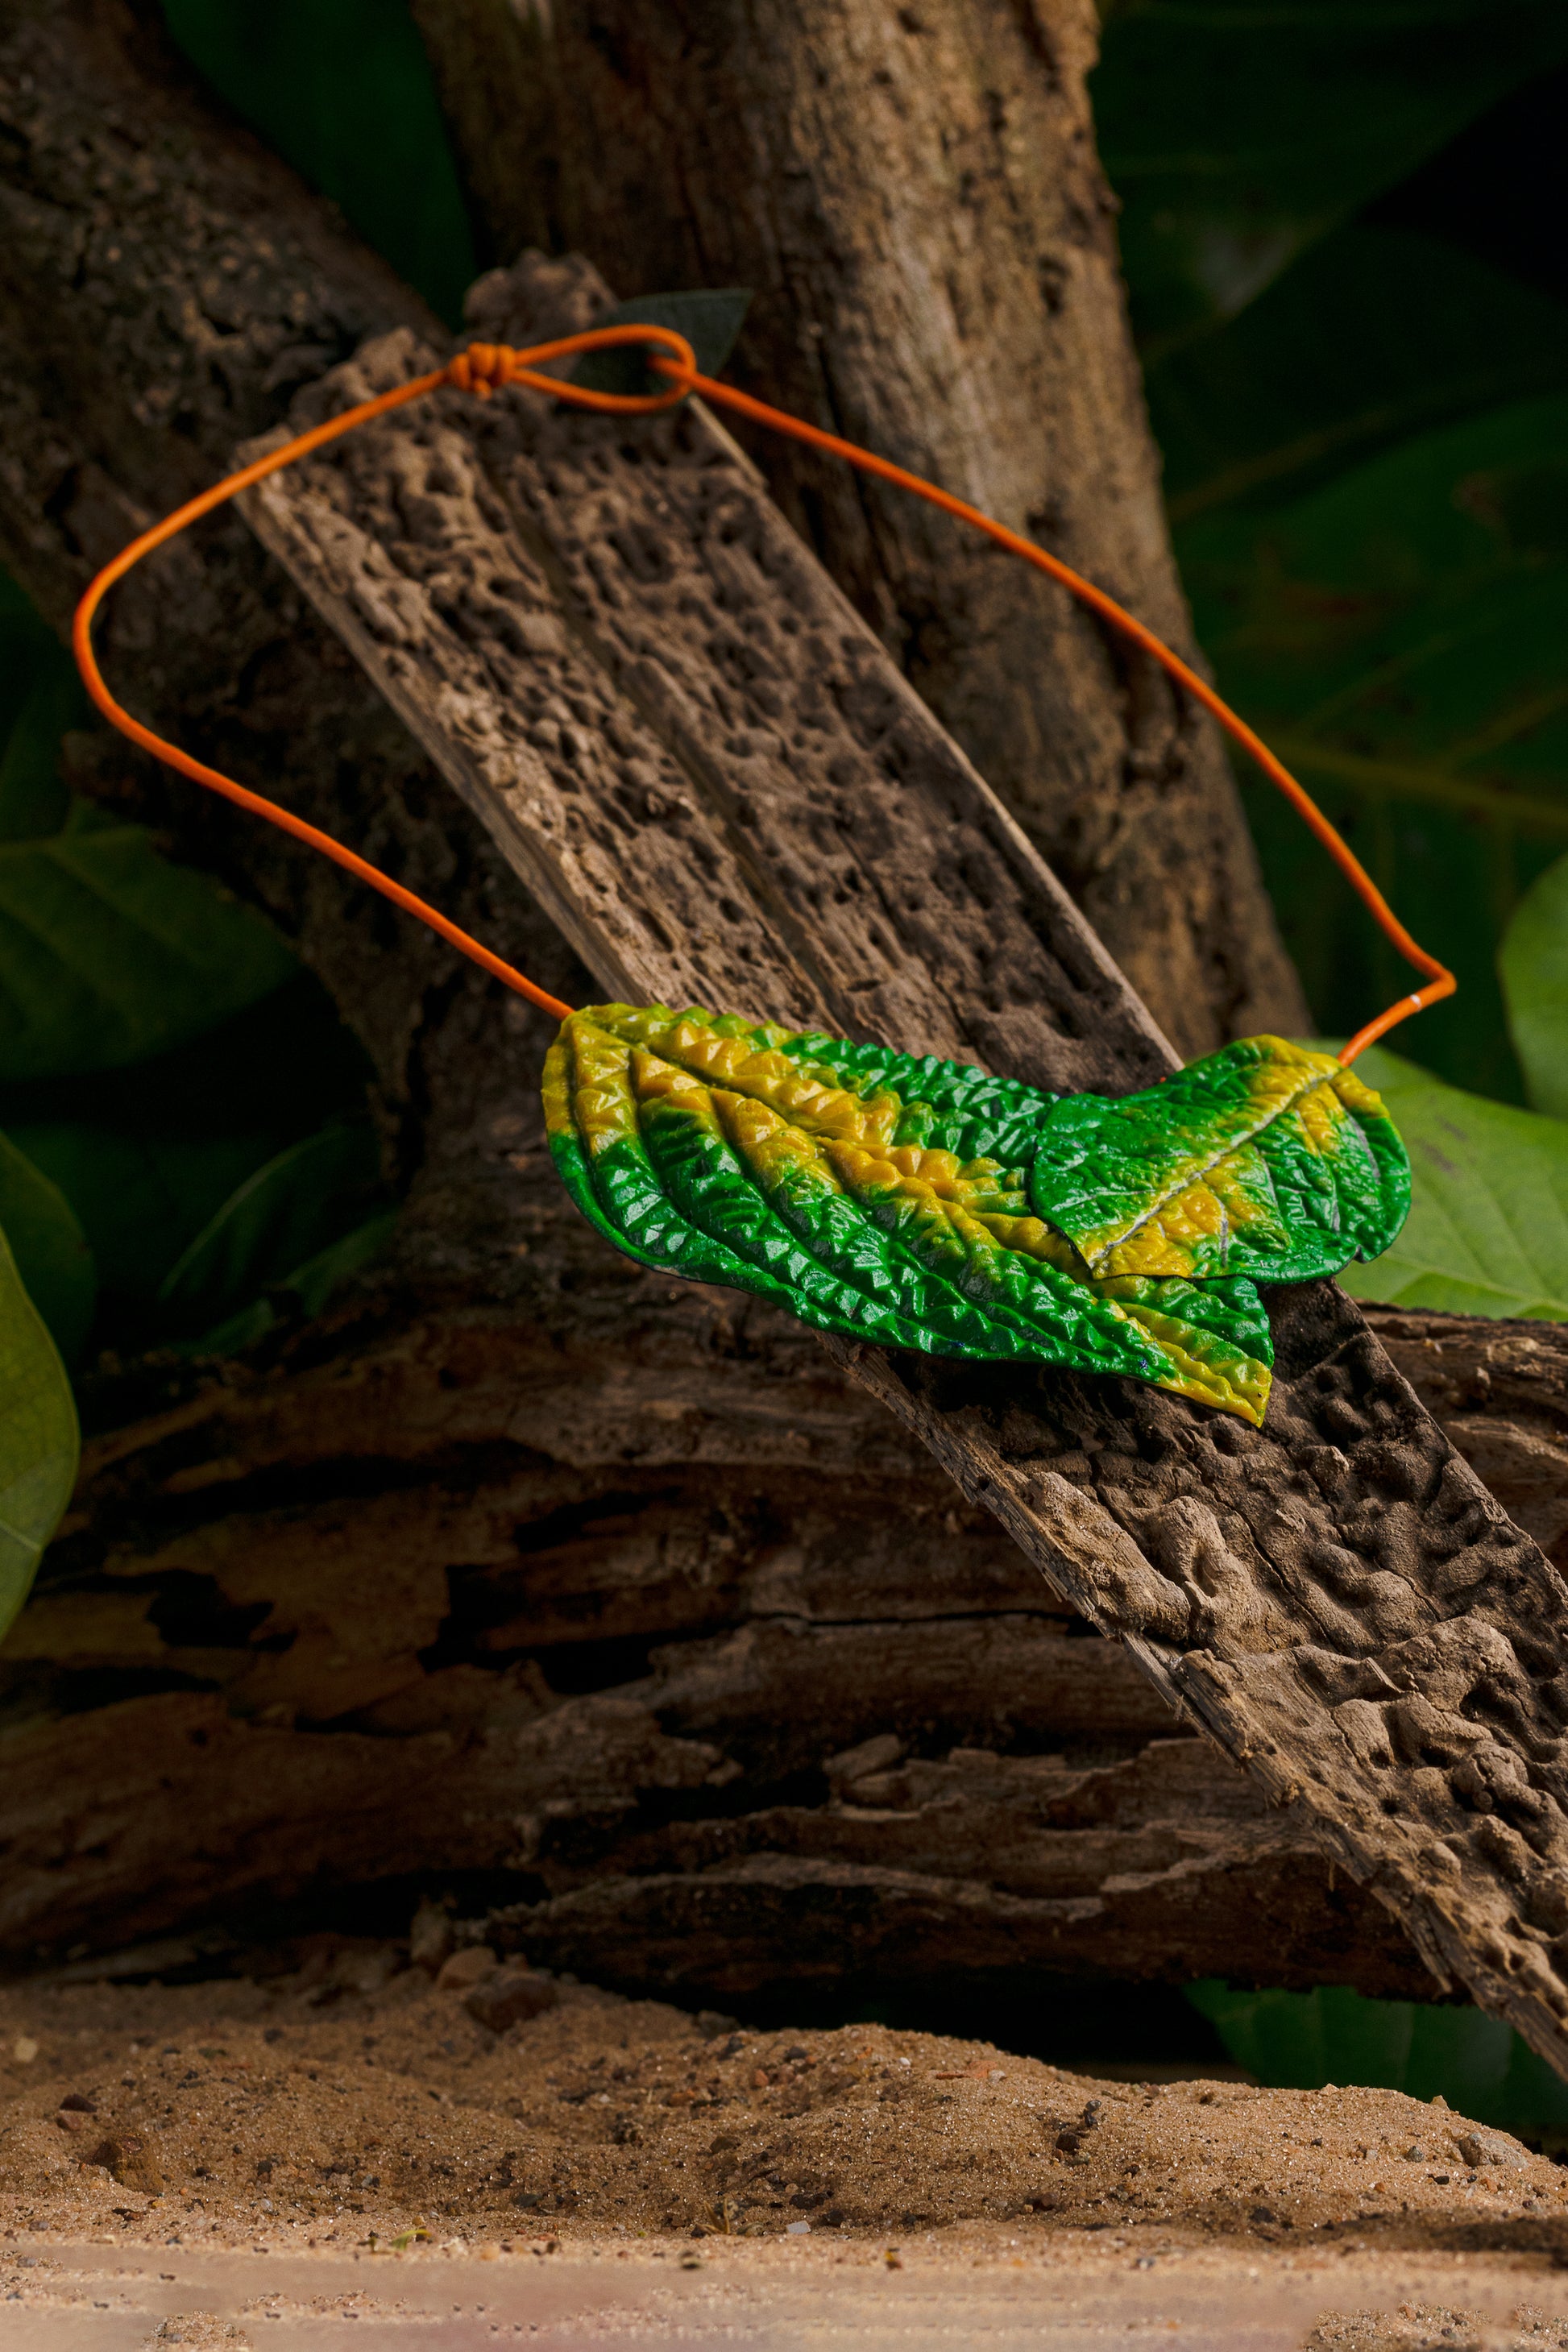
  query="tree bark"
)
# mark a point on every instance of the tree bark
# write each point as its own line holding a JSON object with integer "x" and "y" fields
{"x": 702, "y": 1676}
{"x": 915, "y": 198}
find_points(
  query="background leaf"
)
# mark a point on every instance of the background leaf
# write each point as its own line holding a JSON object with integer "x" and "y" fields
{"x": 1396, "y": 633}
{"x": 1532, "y": 964}
{"x": 312, "y": 1285}
{"x": 39, "y": 1441}
{"x": 41, "y": 696}
{"x": 1304, "y": 2039}
{"x": 1237, "y": 131}
{"x": 146, "y": 1155}
{"x": 50, "y": 1248}
{"x": 301, "y": 1200}
{"x": 108, "y": 953}
{"x": 1487, "y": 1231}
{"x": 709, "y": 318}
{"x": 141, "y": 1196}
{"x": 1376, "y": 333}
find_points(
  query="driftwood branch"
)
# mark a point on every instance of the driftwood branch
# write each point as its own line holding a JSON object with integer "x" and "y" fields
{"x": 671, "y": 1631}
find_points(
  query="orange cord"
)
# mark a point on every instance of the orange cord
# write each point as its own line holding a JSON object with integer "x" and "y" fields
{"x": 483, "y": 368}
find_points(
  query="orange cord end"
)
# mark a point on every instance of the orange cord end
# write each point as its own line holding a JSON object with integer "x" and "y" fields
{"x": 485, "y": 368}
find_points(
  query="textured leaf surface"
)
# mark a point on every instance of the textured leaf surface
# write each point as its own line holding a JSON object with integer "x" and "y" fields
{"x": 108, "y": 953}
{"x": 1487, "y": 1232}
{"x": 39, "y": 1441}
{"x": 50, "y": 1250}
{"x": 1263, "y": 1158}
{"x": 1532, "y": 964}
{"x": 888, "y": 1196}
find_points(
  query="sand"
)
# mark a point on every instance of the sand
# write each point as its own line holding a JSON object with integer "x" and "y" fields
{"x": 357, "y": 2102}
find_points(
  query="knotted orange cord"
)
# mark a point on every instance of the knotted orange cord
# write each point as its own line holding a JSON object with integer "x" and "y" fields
{"x": 483, "y": 368}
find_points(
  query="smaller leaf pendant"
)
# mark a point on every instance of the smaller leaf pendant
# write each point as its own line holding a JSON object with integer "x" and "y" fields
{"x": 922, "y": 1203}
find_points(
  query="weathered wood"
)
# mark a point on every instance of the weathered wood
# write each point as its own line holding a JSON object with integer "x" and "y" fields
{"x": 623, "y": 657}
{"x": 633, "y": 1506}
{"x": 915, "y": 197}
{"x": 1338, "y": 1599}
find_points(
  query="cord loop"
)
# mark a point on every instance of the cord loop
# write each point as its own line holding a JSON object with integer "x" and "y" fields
{"x": 484, "y": 369}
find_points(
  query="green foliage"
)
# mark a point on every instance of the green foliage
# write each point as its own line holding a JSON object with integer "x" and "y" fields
{"x": 299, "y": 1203}
{"x": 1237, "y": 133}
{"x": 1363, "y": 464}
{"x": 164, "y": 1067}
{"x": 1395, "y": 632}
{"x": 1376, "y": 335}
{"x": 50, "y": 1248}
{"x": 308, "y": 1289}
{"x": 41, "y": 696}
{"x": 1487, "y": 1229}
{"x": 1533, "y": 965}
{"x": 341, "y": 90}
{"x": 1304, "y": 2039}
{"x": 709, "y": 318}
{"x": 110, "y": 954}
{"x": 38, "y": 1443}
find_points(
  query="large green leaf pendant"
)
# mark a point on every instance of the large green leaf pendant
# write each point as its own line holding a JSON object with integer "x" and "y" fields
{"x": 920, "y": 1203}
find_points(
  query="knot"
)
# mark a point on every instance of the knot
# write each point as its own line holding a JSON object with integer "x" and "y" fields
{"x": 482, "y": 368}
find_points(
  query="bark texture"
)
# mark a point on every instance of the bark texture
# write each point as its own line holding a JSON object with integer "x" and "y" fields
{"x": 914, "y": 196}
{"x": 702, "y": 1676}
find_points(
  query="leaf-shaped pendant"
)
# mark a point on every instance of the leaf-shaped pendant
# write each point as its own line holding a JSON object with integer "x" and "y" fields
{"x": 1262, "y": 1159}
{"x": 922, "y": 1203}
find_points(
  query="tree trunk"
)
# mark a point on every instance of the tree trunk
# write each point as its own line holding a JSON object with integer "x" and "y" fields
{"x": 522, "y": 1564}
{"x": 915, "y": 198}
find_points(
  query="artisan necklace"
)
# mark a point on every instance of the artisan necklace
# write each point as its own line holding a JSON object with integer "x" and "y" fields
{"x": 897, "y": 1198}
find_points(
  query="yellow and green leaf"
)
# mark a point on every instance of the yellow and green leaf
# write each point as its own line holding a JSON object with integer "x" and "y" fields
{"x": 922, "y": 1203}
{"x": 1263, "y": 1158}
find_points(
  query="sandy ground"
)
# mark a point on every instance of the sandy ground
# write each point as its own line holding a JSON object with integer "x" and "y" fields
{"x": 357, "y": 2113}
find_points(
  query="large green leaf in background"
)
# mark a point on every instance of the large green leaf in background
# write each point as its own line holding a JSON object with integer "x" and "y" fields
{"x": 108, "y": 953}
{"x": 1237, "y": 131}
{"x": 1487, "y": 1229}
{"x": 50, "y": 1250}
{"x": 303, "y": 1200}
{"x": 341, "y": 90}
{"x": 40, "y": 695}
{"x": 38, "y": 1443}
{"x": 1375, "y": 335}
{"x": 1304, "y": 2039}
{"x": 1397, "y": 635}
{"x": 140, "y": 1194}
{"x": 1532, "y": 964}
